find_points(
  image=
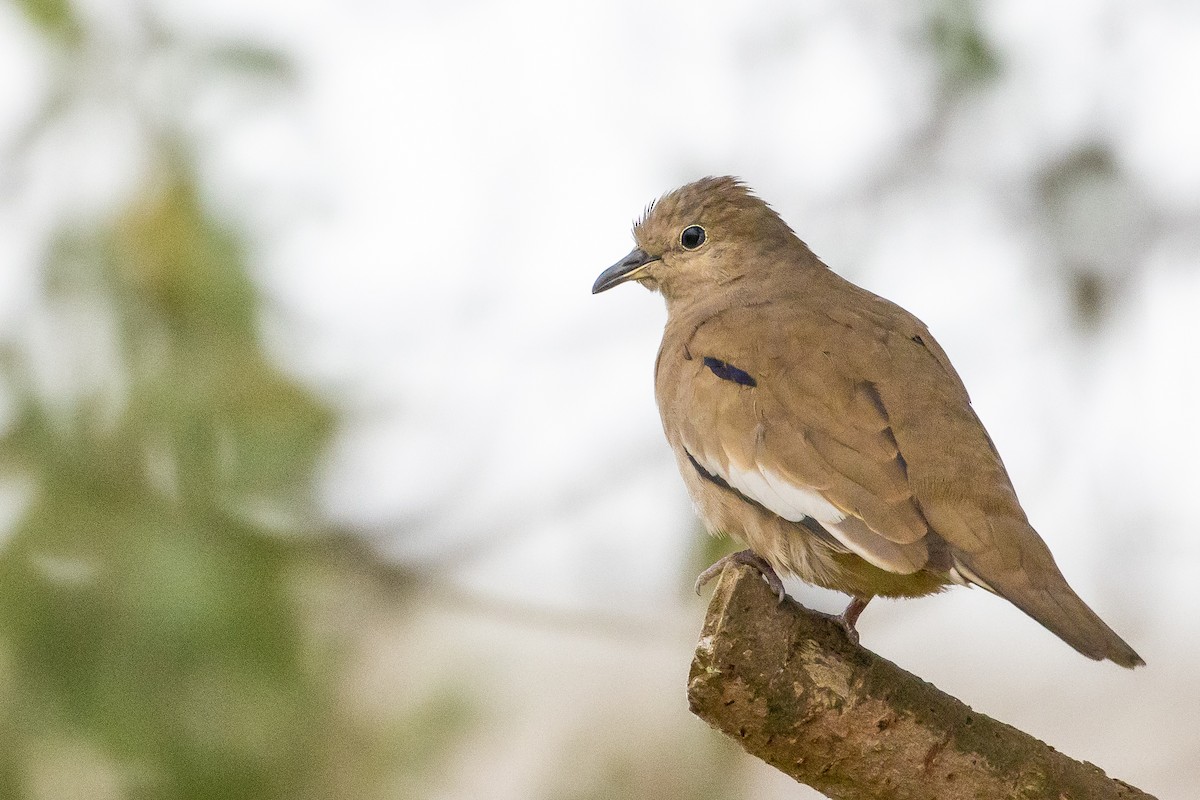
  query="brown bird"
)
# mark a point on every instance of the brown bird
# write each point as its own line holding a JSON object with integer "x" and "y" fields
{"x": 825, "y": 427}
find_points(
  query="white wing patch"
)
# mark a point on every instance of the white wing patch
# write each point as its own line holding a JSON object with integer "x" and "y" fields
{"x": 782, "y": 497}
{"x": 774, "y": 492}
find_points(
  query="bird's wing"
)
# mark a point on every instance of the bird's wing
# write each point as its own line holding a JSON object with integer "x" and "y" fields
{"x": 772, "y": 404}
{"x": 959, "y": 482}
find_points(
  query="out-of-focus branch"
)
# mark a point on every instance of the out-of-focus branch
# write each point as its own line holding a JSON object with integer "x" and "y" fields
{"x": 795, "y": 692}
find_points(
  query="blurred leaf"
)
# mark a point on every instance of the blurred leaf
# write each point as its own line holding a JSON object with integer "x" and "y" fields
{"x": 251, "y": 61}
{"x": 54, "y": 18}
{"x": 966, "y": 56}
{"x": 1091, "y": 295}
{"x": 1095, "y": 220}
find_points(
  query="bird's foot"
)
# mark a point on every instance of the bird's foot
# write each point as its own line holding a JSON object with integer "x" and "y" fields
{"x": 750, "y": 559}
{"x": 848, "y": 618}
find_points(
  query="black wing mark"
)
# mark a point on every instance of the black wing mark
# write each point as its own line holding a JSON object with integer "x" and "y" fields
{"x": 728, "y": 372}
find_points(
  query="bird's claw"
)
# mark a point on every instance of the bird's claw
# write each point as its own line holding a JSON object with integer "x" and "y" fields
{"x": 750, "y": 559}
{"x": 849, "y": 618}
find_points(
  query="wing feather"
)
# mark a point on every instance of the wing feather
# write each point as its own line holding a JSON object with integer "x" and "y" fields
{"x": 809, "y": 440}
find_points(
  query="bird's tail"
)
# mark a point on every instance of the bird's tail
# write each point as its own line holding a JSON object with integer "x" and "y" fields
{"x": 1064, "y": 614}
{"x": 1040, "y": 590}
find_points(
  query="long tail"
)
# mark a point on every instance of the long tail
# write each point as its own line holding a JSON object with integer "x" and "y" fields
{"x": 1039, "y": 589}
{"x": 1064, "y": 614}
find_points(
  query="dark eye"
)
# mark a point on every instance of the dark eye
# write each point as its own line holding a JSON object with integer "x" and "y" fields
{"x": 692, "y": 237}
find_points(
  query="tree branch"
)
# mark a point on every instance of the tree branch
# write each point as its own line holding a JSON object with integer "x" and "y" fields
{"x": 789, "y": 686}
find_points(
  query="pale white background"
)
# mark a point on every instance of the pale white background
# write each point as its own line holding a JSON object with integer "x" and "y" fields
{"x": 436, "y": 198}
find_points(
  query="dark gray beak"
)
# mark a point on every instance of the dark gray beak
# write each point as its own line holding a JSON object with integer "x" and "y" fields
{"x": 624, "y": 270}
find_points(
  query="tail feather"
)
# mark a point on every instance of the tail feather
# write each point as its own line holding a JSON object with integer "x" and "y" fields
{"x": 1025, "y": 574}
{"x": 1064, "y": 614}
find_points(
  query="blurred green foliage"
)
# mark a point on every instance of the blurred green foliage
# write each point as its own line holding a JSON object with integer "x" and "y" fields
{"x": 143, "y": 604}
{"x": 53, "y": 18}
{"x": 156, "y": 619}
{"x": 964, "y": 55}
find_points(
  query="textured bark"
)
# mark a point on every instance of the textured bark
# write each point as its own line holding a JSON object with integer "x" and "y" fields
{"x": 795, "y": 692}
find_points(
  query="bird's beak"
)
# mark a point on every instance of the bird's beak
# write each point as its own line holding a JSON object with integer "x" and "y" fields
{"x": 626, "y": 269}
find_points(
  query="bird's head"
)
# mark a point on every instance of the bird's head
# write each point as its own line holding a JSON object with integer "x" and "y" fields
{"x": 707, "y": 234}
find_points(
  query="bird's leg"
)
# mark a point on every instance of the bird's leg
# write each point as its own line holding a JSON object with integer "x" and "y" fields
{"x": 849, "y": 617}
{"x": 750, "y": 559}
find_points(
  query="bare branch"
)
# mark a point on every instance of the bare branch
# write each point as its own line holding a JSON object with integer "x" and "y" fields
{"x": 795, "y": 692}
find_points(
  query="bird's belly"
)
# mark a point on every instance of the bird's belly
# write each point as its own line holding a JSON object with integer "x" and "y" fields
{"x": 793, "y": 549}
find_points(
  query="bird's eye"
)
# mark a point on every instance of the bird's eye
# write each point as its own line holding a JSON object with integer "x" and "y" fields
{"x": 692, "y": 237}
